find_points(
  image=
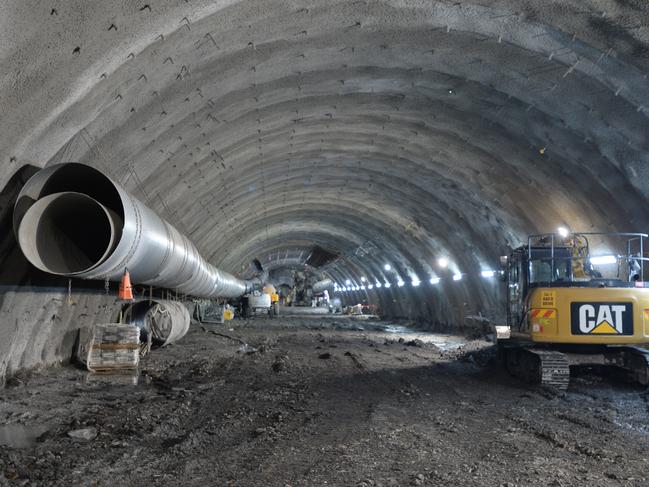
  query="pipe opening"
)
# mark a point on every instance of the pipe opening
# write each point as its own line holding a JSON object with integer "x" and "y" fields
{"x": 68, "y": 233}
{"x": 79, "y": 178}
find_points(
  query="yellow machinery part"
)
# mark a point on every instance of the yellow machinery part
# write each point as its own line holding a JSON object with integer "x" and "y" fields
{"x": 585, "y": 315}
{"x": 269, "y": 289}
{"x": 579, "y": 253}
{"x": 228, "y": 314}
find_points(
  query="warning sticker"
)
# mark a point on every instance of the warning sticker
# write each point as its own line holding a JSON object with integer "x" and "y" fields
{"x": 543, "y": 313}
{"x": 547, "y": 299}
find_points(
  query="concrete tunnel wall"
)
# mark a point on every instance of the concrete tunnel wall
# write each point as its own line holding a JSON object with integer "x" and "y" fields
{"x": 393, "y": 131}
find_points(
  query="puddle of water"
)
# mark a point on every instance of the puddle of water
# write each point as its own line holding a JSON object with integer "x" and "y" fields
{"x": 20, "y": 435}
{"x": 444, "y": 342}
{"x": 396, "y": 329}
{"x": 115, "y": 377}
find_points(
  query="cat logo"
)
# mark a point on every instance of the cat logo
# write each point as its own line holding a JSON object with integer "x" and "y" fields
{"x": 601, "y": 318}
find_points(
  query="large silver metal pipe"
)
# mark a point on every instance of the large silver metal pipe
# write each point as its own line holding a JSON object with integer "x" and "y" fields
{"x": 321, "y": 286}
{"x": 73, "y": 220}
{"x": 68, "y": 233}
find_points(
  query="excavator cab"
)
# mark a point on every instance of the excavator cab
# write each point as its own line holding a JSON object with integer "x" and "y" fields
{"x": 528, "y": 267}
{"x": 579, "y": 297}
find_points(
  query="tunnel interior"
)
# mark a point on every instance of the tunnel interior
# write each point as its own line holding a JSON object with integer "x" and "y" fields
{"x": 399, "y": 149}
{"x": 413, "y": 143}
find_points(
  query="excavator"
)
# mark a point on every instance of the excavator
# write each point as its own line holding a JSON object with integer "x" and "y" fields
{"x": 576, "y": 299}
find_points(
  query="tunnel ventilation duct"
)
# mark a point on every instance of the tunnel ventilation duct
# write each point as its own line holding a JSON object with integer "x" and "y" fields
{"x": 72, "y": 220}
{"x": 321, "y": 286}
{"x": 165, "y": 321}
{"x": 320, "y": 256}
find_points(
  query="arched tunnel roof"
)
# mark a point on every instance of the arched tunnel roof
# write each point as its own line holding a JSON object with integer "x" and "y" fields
{"x": 386, "y": 131}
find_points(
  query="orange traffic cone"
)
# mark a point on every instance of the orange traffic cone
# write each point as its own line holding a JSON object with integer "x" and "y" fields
{"x": 125, "y": 289}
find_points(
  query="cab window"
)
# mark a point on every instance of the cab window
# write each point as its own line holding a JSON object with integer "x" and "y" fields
{"x": 541, "y": 265}
{"x": 541, "y": 271}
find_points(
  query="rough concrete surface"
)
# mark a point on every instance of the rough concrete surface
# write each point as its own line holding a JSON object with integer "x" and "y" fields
{"x": 387, "y": 130}
{"x": 305, "y": 401}
{"x": 41, "y": 327}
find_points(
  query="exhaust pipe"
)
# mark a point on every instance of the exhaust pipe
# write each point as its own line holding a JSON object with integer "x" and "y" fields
{"x": 72, "y": 220}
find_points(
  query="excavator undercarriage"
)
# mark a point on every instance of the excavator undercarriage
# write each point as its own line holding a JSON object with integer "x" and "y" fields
{"x": 551, "y": 367}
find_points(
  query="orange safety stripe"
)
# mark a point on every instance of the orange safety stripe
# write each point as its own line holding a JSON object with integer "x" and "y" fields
{"x": 547, "y": 313}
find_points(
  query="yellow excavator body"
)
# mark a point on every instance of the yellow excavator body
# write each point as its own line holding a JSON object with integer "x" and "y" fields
{"x": 588, "y": 315}
{"x": 577, "y": 299}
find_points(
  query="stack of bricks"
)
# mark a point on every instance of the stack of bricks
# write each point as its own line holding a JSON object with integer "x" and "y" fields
{"x": 114, "y": 347}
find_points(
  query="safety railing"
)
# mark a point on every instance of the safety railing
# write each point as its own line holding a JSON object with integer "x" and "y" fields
{"x": 575, "y": 246}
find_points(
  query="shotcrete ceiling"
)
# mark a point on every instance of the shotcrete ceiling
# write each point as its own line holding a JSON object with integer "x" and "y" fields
{"x": 395, "y": 130}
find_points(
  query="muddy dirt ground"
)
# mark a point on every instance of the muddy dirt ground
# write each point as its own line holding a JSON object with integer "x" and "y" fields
{"x": 320, "y": 401}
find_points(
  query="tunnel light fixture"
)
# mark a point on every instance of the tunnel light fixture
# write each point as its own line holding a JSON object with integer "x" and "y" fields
{"x": 378, "y": 284}
{"x": 370, "y": 286}
{"x": 457, "y": 276}
{"x": 603, "y": 260}
{"x": 387, "y": 284}
{"x": 400, "y": 282}
{"x": 363, "y": 287}
{"x": 434, "y": 280}
{"x": 387, "y": 267}
{"x": 563, "y": 232}
{"x": 487, "y": 274}
{"x": 348, "y": 282}
{"x": 362, "y": 278}
{"x": 415, "y": 281}
{"x": 442, "y": 262}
